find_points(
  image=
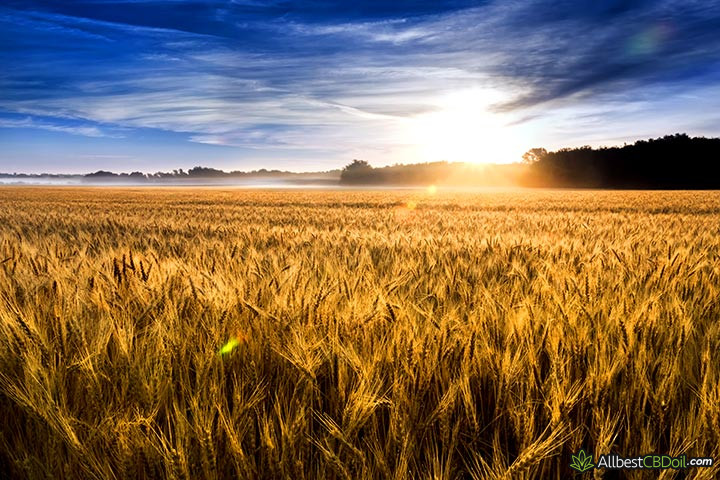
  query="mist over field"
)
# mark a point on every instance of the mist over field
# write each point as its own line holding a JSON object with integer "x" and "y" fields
{"x": 646, "y": 164}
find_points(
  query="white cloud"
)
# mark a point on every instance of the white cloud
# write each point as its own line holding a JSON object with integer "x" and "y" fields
{"x": 87, "y": 131}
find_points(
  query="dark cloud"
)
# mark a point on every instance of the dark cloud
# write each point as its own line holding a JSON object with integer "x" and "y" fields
{"x": 556, "y": 50}
{"x": 228, "y": 18}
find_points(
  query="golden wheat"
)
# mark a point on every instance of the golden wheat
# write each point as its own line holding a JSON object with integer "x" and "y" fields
{"x": 208, "y": 333}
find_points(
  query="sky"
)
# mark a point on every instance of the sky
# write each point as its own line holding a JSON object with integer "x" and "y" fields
{"x": 128, "y": 85}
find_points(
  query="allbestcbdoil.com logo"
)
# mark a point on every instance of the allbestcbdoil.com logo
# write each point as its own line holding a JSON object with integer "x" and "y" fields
{"x": 582, "y": 462}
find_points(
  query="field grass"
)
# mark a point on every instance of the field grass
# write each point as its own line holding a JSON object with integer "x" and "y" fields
{"x": 206, "y": 333}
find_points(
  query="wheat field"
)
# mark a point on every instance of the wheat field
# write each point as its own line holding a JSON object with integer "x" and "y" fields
{"x": 184, "y": 333}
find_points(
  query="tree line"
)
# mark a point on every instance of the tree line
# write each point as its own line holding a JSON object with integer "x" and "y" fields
{"x": 196, "y": 173}
{"x": 360, "y": 172}
{"x": 671, "y": 162}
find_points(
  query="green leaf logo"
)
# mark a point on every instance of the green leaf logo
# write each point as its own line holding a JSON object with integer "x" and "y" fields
{"x": 581, "y": 461}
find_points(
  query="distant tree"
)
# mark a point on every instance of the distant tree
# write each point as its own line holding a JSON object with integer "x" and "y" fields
{"x": 101, "y": 173}
{"x": 205, "y": 172}
{"x": 534, "y": 155}
{"x": 358, "y": 165}
{"x": 358, "y": 172}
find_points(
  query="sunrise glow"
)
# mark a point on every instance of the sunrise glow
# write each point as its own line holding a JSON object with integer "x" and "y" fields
{"x": 464, "y": 128}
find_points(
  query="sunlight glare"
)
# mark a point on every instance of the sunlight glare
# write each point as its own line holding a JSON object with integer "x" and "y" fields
{"x": 463, "y": 129}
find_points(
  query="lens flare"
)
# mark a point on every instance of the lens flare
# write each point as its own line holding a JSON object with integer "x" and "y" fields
{"x": 648, "y": 41}
{"x": 229, "y": 346}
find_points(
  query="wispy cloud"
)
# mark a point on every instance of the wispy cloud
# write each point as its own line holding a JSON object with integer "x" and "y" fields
{"x": 86, "y": 131}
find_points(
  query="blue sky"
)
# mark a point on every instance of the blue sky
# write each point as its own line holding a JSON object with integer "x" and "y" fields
{"x": 246, "y": 84}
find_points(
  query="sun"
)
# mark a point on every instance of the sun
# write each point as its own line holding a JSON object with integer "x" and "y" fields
{"x": 463, "y": 128}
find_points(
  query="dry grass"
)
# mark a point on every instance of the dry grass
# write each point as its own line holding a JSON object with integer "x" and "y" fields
{"x": 478, "y": 336}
